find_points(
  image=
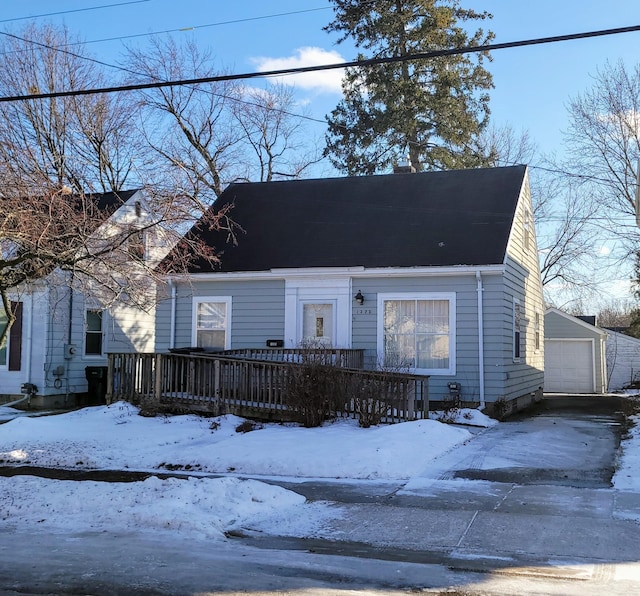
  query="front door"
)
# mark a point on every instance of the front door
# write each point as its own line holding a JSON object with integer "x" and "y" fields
{"x": 318, "y": 323}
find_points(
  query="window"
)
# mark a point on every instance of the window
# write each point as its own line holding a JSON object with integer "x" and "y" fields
{"x": 517, "y": 329}
{"x": 536, "y": 331}
{"x": 93, "y": 333}
{"x": 211, "y": 323}
{"x": 3, "y": 347}
{"x": 11, "y": 348}
{"x": 418, "y": 332}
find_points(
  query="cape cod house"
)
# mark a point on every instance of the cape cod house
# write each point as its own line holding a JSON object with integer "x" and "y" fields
{"x": 58, "y": 343}
{"x": 436, "y": 272}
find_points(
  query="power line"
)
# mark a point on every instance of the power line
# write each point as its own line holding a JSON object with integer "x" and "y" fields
{"x": 60, "y": 12}
{"x": 306, "y": 69}
{"x": 194, "y": 27}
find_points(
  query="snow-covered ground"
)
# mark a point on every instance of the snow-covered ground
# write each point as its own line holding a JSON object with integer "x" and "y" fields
{"x": 115, "y": 437}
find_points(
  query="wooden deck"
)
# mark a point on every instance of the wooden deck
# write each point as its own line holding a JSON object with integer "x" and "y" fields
{"x": 256, "y": 386}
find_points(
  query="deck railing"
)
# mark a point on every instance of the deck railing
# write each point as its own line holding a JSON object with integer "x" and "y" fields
{"x": 221, "y": 384}
{"x": 343, "y": 357}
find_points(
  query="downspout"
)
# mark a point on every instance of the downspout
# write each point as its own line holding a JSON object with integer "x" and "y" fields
{"x": 67, "y": 361}
{"x": 480, "y": 290}
{"x": 29, "y": 350}
{"x": 172, "y": 326}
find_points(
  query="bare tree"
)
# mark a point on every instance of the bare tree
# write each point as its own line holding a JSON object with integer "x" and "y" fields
{"x": 273, "y": 134}
{"x": 563, "y": 217}
{"x": 604, "y": 148}
{"x": 216, "y": 133}
{"x": 86, "y": 143}
{"x": 72, "y": 239}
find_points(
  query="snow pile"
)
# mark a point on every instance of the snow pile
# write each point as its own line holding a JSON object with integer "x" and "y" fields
{"x": 115, "y": 437}
{"x": 626, "y": 476}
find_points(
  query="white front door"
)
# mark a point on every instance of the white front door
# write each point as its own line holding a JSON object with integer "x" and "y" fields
{"x": 318, "y": 323}
{"x": 318, "y": 311}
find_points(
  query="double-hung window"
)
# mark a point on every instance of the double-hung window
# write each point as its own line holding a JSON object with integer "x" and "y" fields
{"x": 93, "y": 332}
{"x": 517, "y": 330}
{"x": 417, "y": 331}
{"x": 211, "y": 322}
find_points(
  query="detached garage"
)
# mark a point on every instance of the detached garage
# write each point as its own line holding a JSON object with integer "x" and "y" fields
{"x": 574, "y": 355}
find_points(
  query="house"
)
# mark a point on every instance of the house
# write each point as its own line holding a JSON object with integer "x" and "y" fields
{"x": 575, "y": 354}
{"x": 623, "y": 360}
{"x": 436, "y": 273}
{"x": 59, "y": 340}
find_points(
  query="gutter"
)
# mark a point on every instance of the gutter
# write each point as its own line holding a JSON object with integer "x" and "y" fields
{"x": 480, "y": 291}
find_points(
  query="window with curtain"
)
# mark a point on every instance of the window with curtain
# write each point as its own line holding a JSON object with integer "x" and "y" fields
{"x": 211, "y": 324}
{"x": 417, "y": 333}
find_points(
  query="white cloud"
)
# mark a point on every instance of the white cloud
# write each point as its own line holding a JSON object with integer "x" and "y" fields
{"x": 323, "y": 81}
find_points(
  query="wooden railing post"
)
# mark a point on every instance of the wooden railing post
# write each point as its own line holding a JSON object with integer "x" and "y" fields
{"x": 110, "y": 367}
{"x": 157, "y": 390}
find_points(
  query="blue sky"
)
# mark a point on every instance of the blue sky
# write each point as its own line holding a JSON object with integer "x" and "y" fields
{"x": 532, "y": 84}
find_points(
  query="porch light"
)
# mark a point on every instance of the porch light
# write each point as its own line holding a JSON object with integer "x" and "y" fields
{"x": 359, "y": 298}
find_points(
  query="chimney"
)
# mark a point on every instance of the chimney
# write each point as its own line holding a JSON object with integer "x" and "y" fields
{"x": 404, "y": 167}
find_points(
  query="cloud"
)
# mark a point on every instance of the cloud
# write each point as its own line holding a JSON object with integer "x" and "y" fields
{"x": 323, "y": 81}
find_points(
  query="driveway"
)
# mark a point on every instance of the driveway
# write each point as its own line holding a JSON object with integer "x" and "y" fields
{"x": 525, "y": 507}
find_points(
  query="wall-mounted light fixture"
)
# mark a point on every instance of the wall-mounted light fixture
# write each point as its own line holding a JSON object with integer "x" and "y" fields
{"x": 359, "y": 298}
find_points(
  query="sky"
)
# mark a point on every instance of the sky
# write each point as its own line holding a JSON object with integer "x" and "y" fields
{"x": 202, "y": 506}
{"x": 533, "y": 85}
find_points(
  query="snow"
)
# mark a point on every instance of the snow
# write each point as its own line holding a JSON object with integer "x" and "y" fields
{"x": 115, "y": 437}
{"x": 223, "y": 478}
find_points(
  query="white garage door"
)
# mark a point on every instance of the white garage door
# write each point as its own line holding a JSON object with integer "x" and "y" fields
{"x": 568, "y": 366}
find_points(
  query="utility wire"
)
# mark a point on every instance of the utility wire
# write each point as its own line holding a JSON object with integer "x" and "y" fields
{"x": 305, "y": 69}
{"x": 53, "y": 14}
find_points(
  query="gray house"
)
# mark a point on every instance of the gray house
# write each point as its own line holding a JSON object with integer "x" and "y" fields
{"x": 437, "y": 272}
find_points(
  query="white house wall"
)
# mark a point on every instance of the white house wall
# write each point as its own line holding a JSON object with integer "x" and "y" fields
{"x": 623, "y": 360}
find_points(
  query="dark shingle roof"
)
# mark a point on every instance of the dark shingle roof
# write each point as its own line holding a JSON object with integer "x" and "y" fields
{"x": 460, "y": 217}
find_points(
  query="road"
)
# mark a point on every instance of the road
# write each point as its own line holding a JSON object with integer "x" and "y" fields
{"x": 525, "y": 507}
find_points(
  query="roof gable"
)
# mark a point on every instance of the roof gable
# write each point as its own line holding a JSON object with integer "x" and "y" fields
{"x": 461, "y": 217}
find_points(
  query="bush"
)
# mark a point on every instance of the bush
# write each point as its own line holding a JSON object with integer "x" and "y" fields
{"x": 314, "y": 391}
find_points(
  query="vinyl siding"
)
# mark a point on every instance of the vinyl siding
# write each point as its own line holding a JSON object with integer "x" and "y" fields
{"x": 257, "y": 312}
{"x": 522, "y": 282}
{"x": 623, "y": 360}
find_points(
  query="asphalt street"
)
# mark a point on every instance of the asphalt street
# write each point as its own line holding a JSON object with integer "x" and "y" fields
{"x": 525, "y": 507}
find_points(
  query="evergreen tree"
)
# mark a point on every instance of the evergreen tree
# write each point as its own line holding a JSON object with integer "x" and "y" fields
{"x": 430, "y": 110}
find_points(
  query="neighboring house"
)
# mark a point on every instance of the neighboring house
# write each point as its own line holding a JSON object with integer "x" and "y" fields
{"x": 433, "y": 272}
{"x": 59, "y": 332}
{"x": 623, "y": 360}
{"x": 575, "y": 354}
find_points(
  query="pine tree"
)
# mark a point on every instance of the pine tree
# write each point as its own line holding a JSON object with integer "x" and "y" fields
{"x": 430, "y": 110}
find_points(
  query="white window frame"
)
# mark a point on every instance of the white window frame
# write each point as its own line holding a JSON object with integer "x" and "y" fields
{"x": 428, "y": 296}
{"x": 103, "y": 325}
{"x": 194, "y": 317}
{"x": 537, "y": 331}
